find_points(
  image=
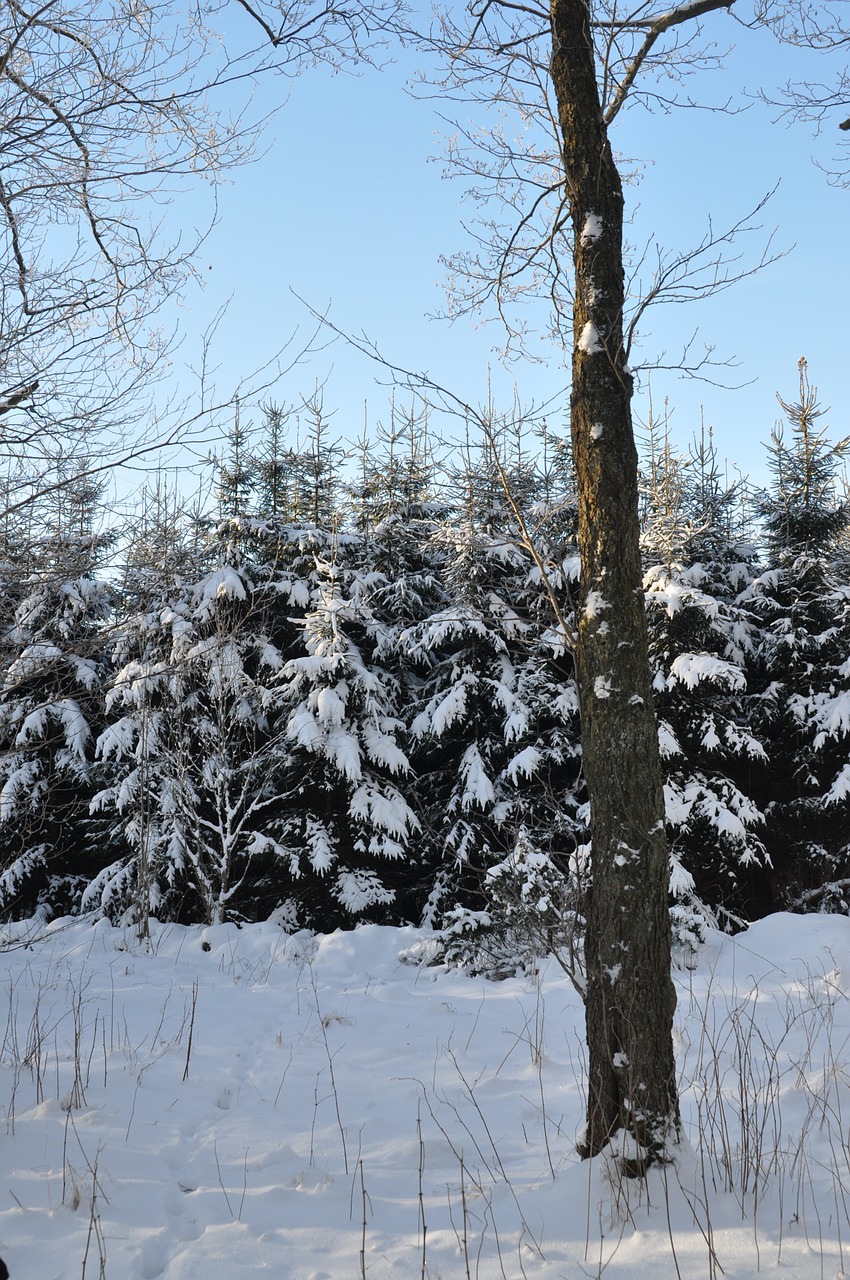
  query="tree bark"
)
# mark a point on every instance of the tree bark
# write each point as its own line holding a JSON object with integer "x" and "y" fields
{"x": 630, "y": 994}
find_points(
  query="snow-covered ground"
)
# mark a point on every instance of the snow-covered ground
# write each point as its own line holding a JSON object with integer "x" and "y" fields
{"x": 234, "y": 1102}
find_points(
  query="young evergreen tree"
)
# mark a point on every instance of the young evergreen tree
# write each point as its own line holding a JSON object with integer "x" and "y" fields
{"x": 331, "y": 830}
{"x": 347, "y": 825}
{"x": 495, "y": 735}
{"x": 195, "y": 740}
{"x": 52, "y": 671}
{"x": 398, "y": 508}
{"x": 804, "y": 689}
{"x": 702, "y": 645}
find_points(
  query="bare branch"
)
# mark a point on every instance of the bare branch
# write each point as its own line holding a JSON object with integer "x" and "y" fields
{"x": 706, "y": 269}
{"x": 657, "y": 27}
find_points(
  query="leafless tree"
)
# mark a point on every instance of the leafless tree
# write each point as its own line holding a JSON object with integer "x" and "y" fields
{"x": 548, "y": 83}
{"x": 109, "y": 111}
{"x": 497, "y": 60}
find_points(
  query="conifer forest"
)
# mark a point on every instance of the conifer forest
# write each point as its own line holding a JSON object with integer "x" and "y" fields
{"x": 343, "y": 690}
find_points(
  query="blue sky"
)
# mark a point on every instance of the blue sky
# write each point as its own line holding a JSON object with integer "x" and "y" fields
{"x": 350, "y": 209}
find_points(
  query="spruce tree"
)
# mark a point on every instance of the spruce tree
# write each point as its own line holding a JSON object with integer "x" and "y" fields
{"x": 495, "y": 735}
{"x": 194, "y": 740}
{"x": 702, "y": 644}
{"x": 804, "y": 679}
{"x": 52, "y": 669}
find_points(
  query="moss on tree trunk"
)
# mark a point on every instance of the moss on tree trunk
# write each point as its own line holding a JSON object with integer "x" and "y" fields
{"x": 630, "y": 995}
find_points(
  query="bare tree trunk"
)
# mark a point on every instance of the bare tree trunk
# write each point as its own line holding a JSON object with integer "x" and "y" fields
{"x": 630, "y": 995}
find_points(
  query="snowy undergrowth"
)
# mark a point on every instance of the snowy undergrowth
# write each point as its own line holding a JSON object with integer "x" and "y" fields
{"x": 239, "y": 1102}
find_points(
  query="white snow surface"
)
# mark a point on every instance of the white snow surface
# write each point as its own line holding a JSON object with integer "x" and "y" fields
{"x": 589, "y": 341}
{"x": 328, "y": 1112}
{"x": 592, "y": 229}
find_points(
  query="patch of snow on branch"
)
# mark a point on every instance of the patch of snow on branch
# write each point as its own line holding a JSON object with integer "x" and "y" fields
{"x": 668, "y": 744}
{"x": 477, "y": 788}
{"x": 524, "y": 764}
{"x": 220, "y": 583}
{"x": 840, "y": 788}
{"x": 690, "y": 669}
